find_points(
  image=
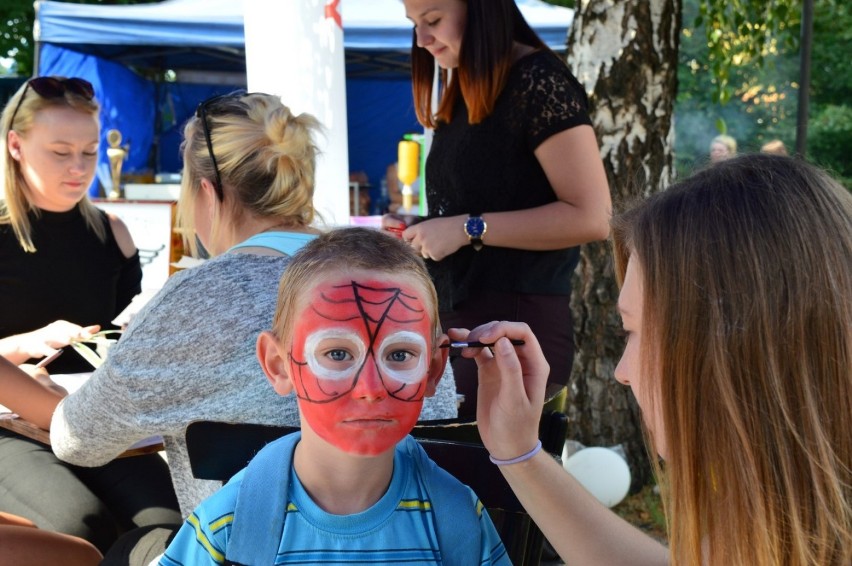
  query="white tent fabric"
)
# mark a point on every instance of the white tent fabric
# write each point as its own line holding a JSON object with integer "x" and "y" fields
{"x": 172, "y": 22}
{"x": 124, "y": 49}
{"x": 369, "y": 25}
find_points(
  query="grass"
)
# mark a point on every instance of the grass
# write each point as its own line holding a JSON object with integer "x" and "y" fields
{"x": 645, "y": 511}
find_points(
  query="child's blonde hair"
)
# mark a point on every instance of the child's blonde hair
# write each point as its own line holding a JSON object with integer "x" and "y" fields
{"x": 348, "y": 248}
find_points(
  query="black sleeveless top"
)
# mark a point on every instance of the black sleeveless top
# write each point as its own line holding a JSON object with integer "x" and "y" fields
{"x": 490, "y": 167}
{"x": 72, "y": 276}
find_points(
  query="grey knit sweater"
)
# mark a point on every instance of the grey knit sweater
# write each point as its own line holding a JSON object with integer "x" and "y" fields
{"x": 189, "y": 355}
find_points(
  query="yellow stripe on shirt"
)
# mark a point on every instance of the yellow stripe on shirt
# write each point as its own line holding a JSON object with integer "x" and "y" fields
{"x": 202, "y": 539}
{"x": 414, "y": 504}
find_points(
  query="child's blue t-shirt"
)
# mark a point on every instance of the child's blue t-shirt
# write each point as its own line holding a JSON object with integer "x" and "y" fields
{"x": 398, "y": 529}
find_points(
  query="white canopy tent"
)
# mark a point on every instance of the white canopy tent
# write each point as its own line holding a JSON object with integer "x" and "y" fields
{"x": 126, "y": 49}
{"x": 195, "y": 34}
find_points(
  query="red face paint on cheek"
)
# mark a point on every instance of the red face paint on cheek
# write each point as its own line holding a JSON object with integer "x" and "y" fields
{"x": 359, "y": 358}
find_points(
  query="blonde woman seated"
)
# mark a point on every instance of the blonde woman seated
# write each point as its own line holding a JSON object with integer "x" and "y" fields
{"x": 66, "y": 270}
{"x": 189, "y": 354}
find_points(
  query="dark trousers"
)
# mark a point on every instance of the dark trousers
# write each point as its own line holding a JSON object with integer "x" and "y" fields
{"x": 96, "y": 504}
{"x": 139, "y": 547}
{"x": 549, "y": 317}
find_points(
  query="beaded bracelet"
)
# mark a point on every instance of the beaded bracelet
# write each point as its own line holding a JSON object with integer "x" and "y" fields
{"x": 521, "y": 458}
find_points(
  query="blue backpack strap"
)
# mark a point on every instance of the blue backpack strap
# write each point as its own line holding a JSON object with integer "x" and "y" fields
{"x": 456, "y": 518}
{"x": 261, "y": 504}
{"x": 258, "y": 522}
{"x": 287, "y": 243}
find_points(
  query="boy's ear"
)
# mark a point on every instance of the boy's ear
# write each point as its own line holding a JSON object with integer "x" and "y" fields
{"x": 437, "y": 365}
{"x": 273, "y": 360}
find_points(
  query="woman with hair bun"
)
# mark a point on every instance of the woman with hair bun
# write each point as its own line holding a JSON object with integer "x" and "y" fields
{"x": 247, "y": 195}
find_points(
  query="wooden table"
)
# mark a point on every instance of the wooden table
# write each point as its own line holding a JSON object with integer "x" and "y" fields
{"x": 70, "y": 382}
{"x": 28, "y": 429}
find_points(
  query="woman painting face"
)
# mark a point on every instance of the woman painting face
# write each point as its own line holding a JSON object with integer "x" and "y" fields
{"x": 360, "y": 360}
{"x": 439, "y": 25}
{"x": 57, "y": 157}
{"x": 630, "y": 370}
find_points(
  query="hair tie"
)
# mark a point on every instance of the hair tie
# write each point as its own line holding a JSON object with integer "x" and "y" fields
{"x": 521, "y": 458}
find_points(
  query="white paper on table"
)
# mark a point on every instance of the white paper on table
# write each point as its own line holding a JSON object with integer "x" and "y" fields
{"x": 71, "y": 382}
{"x": 187, "y": 262}
{"x": 139, "y": 301}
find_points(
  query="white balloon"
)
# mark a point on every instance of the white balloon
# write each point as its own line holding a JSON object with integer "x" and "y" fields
{"x": 602, "y": 472}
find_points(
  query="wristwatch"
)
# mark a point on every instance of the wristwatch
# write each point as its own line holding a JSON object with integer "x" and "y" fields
{"x": 475, "y": 227}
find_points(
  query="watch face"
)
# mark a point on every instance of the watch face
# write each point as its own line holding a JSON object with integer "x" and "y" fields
{"x": 475, "y": 227}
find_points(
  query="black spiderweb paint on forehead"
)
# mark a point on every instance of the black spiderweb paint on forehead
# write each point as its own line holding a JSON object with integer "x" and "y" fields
{"x": 369, "y": 310}
{"x": 373, "y": 322}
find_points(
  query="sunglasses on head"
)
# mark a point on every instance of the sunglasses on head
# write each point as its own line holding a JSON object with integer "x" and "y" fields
{"x": 205, "y": 108}
{"x": 53, "y": 87}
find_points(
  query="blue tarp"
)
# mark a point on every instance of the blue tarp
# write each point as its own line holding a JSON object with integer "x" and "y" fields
{"x": 116, "y": 46}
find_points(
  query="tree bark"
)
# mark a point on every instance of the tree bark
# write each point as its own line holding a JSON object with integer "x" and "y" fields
{"x": 625, "y": 54}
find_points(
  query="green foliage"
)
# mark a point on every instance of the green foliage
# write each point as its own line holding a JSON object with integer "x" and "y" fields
{"x": 830, "y": 140}
{"x": 830, "y": 131}
{"x": 761, "y": 101}
{"x": 743, "y": 33}
{"x": 831, "y": 78}
{"x": 764, "y": 91}
{"x": 644, "y": 510}
{"x": 16, "y": 39}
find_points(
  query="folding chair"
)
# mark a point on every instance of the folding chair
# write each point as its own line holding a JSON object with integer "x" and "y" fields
{"x": 218, "y": 450}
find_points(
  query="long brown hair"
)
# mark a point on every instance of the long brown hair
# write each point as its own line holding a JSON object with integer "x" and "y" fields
{"x": 484, "y": 62}
{"x": 747, "y": 287}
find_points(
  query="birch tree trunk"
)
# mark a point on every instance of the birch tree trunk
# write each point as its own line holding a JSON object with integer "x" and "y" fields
{"x": 625, "y": 54}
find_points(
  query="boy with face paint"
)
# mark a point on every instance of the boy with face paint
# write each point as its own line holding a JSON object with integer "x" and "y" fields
{"x": 356, "y": 338}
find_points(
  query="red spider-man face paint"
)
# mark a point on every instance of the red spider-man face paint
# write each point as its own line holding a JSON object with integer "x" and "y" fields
{"x": 359, "y": 360}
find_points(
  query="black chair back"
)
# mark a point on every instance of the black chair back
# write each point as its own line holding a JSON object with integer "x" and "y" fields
{"x": 219, "y": 450}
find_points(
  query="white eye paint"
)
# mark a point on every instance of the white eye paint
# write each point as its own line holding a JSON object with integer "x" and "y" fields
{"x": 334, "y": 339}
{"x": 401, "y": 372}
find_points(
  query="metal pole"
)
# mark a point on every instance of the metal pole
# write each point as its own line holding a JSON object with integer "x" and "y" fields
{"x": 36, "y": 58}
{"x": 804, "y": 76}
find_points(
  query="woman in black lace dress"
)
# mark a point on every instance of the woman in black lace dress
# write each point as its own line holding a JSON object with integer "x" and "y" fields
{"x": 514, "y": 178}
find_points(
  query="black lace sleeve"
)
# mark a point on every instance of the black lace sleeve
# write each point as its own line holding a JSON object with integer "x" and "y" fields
{"x": 550, "y": 98}
{"x": 491, "y": 166}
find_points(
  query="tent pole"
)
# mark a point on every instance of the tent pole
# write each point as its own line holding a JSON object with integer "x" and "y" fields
{"x": 36, "y": 57}
{"x": 155, "y": 146}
